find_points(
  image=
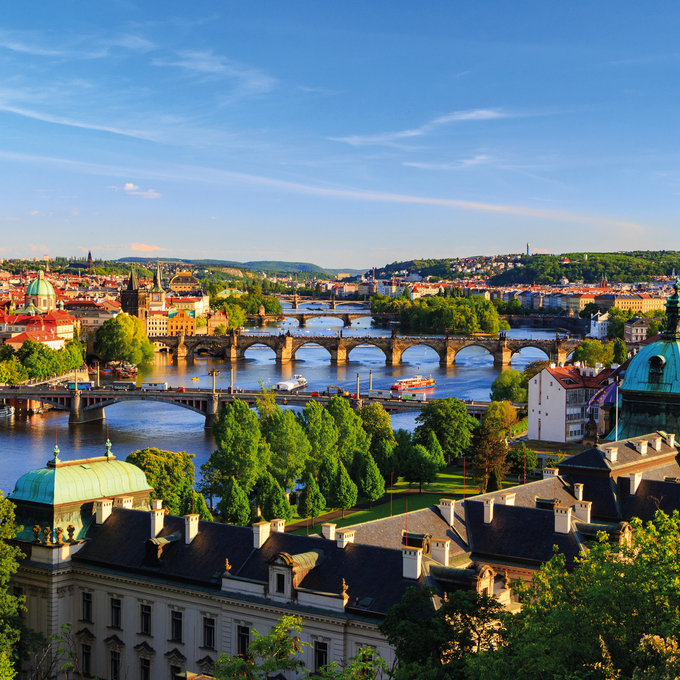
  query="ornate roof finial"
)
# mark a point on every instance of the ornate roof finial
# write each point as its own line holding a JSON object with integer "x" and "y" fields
{"x": 227, "y": 566}
{"x": 108, "y": 448}
{"x": 672, "y": 310}
{"x": 344, "y": 587}
{"x": 56, "y": 455}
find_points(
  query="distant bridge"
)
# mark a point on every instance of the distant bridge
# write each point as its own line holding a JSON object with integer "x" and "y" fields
{"x": 304, "y": 317}
{"x": 85, "y": 406}
{"x": 296, "y": 301}
{"x": 233, "y": 347}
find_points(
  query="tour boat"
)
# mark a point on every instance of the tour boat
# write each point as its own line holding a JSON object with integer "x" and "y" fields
{"x": 6, "y": 410}
{"x": 417, "y": 382}
{"x": 297, "y": 383}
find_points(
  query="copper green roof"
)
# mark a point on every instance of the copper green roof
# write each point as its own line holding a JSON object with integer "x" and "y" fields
{"x": 40, "y": 286}
{"x": 79, "y": 480}
{"x": 308, "y": 560}
{"x": 655, "y": 368}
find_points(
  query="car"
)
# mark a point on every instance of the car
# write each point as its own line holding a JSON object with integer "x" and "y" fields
{"x": 181, "y": 389}
{"x": 316, "y": 394}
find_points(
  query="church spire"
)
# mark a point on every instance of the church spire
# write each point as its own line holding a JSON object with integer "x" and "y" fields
{"x": 133, "y": 281}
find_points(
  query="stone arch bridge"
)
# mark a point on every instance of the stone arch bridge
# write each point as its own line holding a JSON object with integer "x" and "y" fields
{"x": 304, "y": 317}
{"x": 296, "y": 301}
{"x": 233, "y": 347}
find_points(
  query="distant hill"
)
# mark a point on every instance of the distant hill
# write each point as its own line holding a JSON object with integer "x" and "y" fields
{"x": 253, "y": 266}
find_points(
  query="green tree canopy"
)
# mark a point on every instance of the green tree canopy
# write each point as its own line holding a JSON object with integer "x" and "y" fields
{"x": 351, "y": 434}
{"x": 311, "y": 502}
{"x": 419, "y": 467}
{"x": 344, "y": 490}
{"x": 233, "y": 506}
{"x": 272, "y": 500}
{"x": 500, "y": 416}
{"x": 521, "y": 458}
{"x": 591, "y": 352}
{"x": 434, "y": 448}
{"x": 289, "y": 446}
{"x": 487, "y": 457}
{"x": 449, "y": 420}
{"x": 322, "y": 433}
{"x": 123, "y": 338}
{"x": 371, "y": 483}
{"x": 376, "y": 421}
{"x": 620, "y": 351}
{"x": 509, "y": 386}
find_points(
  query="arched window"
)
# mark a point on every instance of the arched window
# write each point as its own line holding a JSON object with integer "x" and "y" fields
{"x": 656, "y": 365}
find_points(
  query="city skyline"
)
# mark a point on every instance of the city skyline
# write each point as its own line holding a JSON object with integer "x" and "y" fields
{"x": 346, "y": 137}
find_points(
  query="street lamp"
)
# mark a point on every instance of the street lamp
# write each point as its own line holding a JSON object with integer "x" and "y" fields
{"x": 214, "y": 373}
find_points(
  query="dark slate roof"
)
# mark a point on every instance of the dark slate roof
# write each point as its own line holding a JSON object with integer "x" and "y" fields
{"x": 526, "y": 494}
{"x": 120, "y": 543}
{"x": 387, "y": 532}
{"x": 591, "y": 458}
{"x": 651, "y": 495}
{"x": 601, "y": 491}
{"x": 670, "y": 469}
{"x": 517, "y": 534}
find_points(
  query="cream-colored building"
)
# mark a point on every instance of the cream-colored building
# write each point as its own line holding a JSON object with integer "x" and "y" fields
{"x": 157, "y": 323}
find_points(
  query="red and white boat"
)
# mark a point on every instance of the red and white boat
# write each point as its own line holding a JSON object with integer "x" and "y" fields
{"x": 417, "y": 382}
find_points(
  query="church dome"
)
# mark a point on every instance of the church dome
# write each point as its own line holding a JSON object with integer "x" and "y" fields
{"x": 40, "y": 287}
{"x": 655, "y": 368}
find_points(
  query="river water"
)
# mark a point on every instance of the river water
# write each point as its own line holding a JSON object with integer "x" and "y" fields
{"x": 26, "y": 443}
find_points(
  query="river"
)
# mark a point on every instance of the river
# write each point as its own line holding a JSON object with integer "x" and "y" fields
{"x": 26, "y": 443}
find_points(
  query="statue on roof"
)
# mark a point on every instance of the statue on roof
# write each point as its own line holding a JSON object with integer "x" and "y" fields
{"x": 672, "y": 304}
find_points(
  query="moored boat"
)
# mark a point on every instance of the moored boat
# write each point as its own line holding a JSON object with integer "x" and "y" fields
{"x": 417, "y": 382}
{"x": 298, "y": 382}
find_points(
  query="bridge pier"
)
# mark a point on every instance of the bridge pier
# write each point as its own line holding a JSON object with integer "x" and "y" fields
{"x": 346, "y": 320}
{"x": 558, "y": 356}
{"x": 338, "y": 354}
{"x": 284, "y": 351}
{"x": 78, "y": 415}
{"x": 212, "y": 412}
{"x": 447, "y": 357}
{"x": 393, "y": 356}
{"x": 502, "y": 356}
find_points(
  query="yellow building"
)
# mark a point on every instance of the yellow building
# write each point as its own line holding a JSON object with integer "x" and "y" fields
{"x": 181, "y": 321}
{"x": 640, "y": 304}
{"x": 184, "y": 282}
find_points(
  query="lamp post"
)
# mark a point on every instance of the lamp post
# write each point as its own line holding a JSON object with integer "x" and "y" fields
{"x": 214, "y": 373}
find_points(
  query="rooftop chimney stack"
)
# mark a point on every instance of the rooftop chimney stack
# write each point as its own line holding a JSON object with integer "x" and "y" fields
{"x": 157, "y": 517}
{"x": 278, "y": 526}
{"x": 611, "y": 453}
{"x": 261, "y": 532}
{"x": 488, "y": 510}
{"x": 123, "y": 502}
{"x": 328, "y": 531}
{"x": 578, "y": 492}
{"x": 635, "y": 479}
{"x": 190, "y": 528}
{"x": 507, "y": 498}
{"x": 582, "y": 511}
{"x": 670, "y": 439}
{"x": 102, "y": 510}
{"x": 344, "y": 537}
{"x": 642, "y": 447}
{"x": 656, "y": 443}
{"x": 412, "y": 561}
{"x": 562, "y": 520}
{"x": 446, "y": 507}
{"x": 440, "y": 550}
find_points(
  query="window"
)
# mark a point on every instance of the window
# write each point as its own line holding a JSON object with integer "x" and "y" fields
{"x": 320, "y": 655}
{"x": 175, "y": 673}
{"x": 145, "y": 619}
{"x": 280, "y": 583}
{"x": 145, "y": 669}
{"x": 87, "y": 607}
{"x": 209, "y": 633}
{"x": 86, "y": 659}
{"x": 115, "y": 665}
{"x": 242, "y": 640}
{"x": 176, "y": 626}
{"x": 115, "y": 613}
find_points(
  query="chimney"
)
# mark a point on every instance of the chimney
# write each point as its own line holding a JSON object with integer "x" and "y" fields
{"x": 642, "y": 447}
{"x": 549, "y": 472}
{"x": 260, "y": 534}
{"x": 102, "y": 509}
{"x": 439, "y": 549}
{"x": 488, "y": 510}
{"x": 611, "y": 453}
{"x": 190, "y": 528}
{"x": 412, "y": 561}
{"x": 328, "y": 531}
{"x": 670, "y": 439}
{"x": 582, "y": 511}
{"x": 123, "y": 502}
{"x": 157, "y": 517}
{"x": 578, "y": 492}
{"x": 562, "y": 520}
{"x": 507, "y": 498}
{"x": 446, "y": 507}
{"x": 343, "y": 537}
{"x": 278, "y": 525}
{"x": 656, "y": 443}
{"x": 635, "y": 479}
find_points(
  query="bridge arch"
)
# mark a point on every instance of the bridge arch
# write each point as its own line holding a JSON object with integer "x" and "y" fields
{"x": 465, "y": 356}
{"x": 544, "y": 355}
{"x": 418, "y": 353}
{"x": 310, "y": 346}
{"x": 259, "y": 351}
{"x": 146, "y": 396}
{"x": 363, "y": 346}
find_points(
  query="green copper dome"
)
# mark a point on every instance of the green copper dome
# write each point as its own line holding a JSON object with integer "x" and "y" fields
{"x": 40, "y": 286}
{"x": 79, "y": 480}
{"x": 655, "y": 368}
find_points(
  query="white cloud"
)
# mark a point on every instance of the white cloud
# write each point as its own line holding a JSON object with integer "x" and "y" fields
{"x": 456, "y": 165}
{"x": 393, "y": 138}
{"x": 144, "y": 248}
{"x": 146, "y": 194}
{"x": 34, "y": 213}
{"x": 130, "y": 187}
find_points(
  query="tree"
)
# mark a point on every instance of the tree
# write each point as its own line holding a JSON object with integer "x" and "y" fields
{"x": 488, "y": 457}
{"x": 592, "y": 352}
{"x": 321, "y": 432}
{"x": 311, "y": 502}
{"x": 620, "y": 351}
{"x": 241, "y": 452}
{"x": 449, "y": 420}
{"x": 385, "y": 459}
{"x": 588, "y": 310}
{"x": 171, "y": 474}
{"x": 434, "y": 643}
{"x": 419, "y": 467}
{"x": 532, "y": 369}
{"x": 521, "y": 458}
{"x": 328, "y": 472}
{"x": 617, "y": 595}
{"x": 366, "y": 665}
{"x": 508, "y": 386}
{"x": 272, "y": 500}
{"x": 500, "y": 416}
{"x": 267, "y": 654}
{"x": 233, "y": 506}
{"x": 436, "y": 452}
{"x": 344, "y": 490}
{"x": 123, "y": 338}
{"x": 372, "y": 484}
{"x": 290, "y": 447}
{"x": 377, "y": 423}
{"x": 351, "y": 434}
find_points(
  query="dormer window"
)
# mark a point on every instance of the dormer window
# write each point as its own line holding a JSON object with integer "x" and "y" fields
{"x": 280, "y": 583}
{"x": 656, "y": 365}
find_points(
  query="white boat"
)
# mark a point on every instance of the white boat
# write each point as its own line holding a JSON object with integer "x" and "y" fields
{"x": 298, "y": 382}
{"x": 6, "y": 411}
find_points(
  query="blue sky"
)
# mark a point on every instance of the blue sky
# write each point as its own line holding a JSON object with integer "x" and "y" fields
{"x": 347, "y": 134}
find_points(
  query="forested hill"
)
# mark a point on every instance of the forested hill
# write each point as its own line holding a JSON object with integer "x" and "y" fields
{"x": 437, "y": 268}
{"x": 639, "y": 265}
